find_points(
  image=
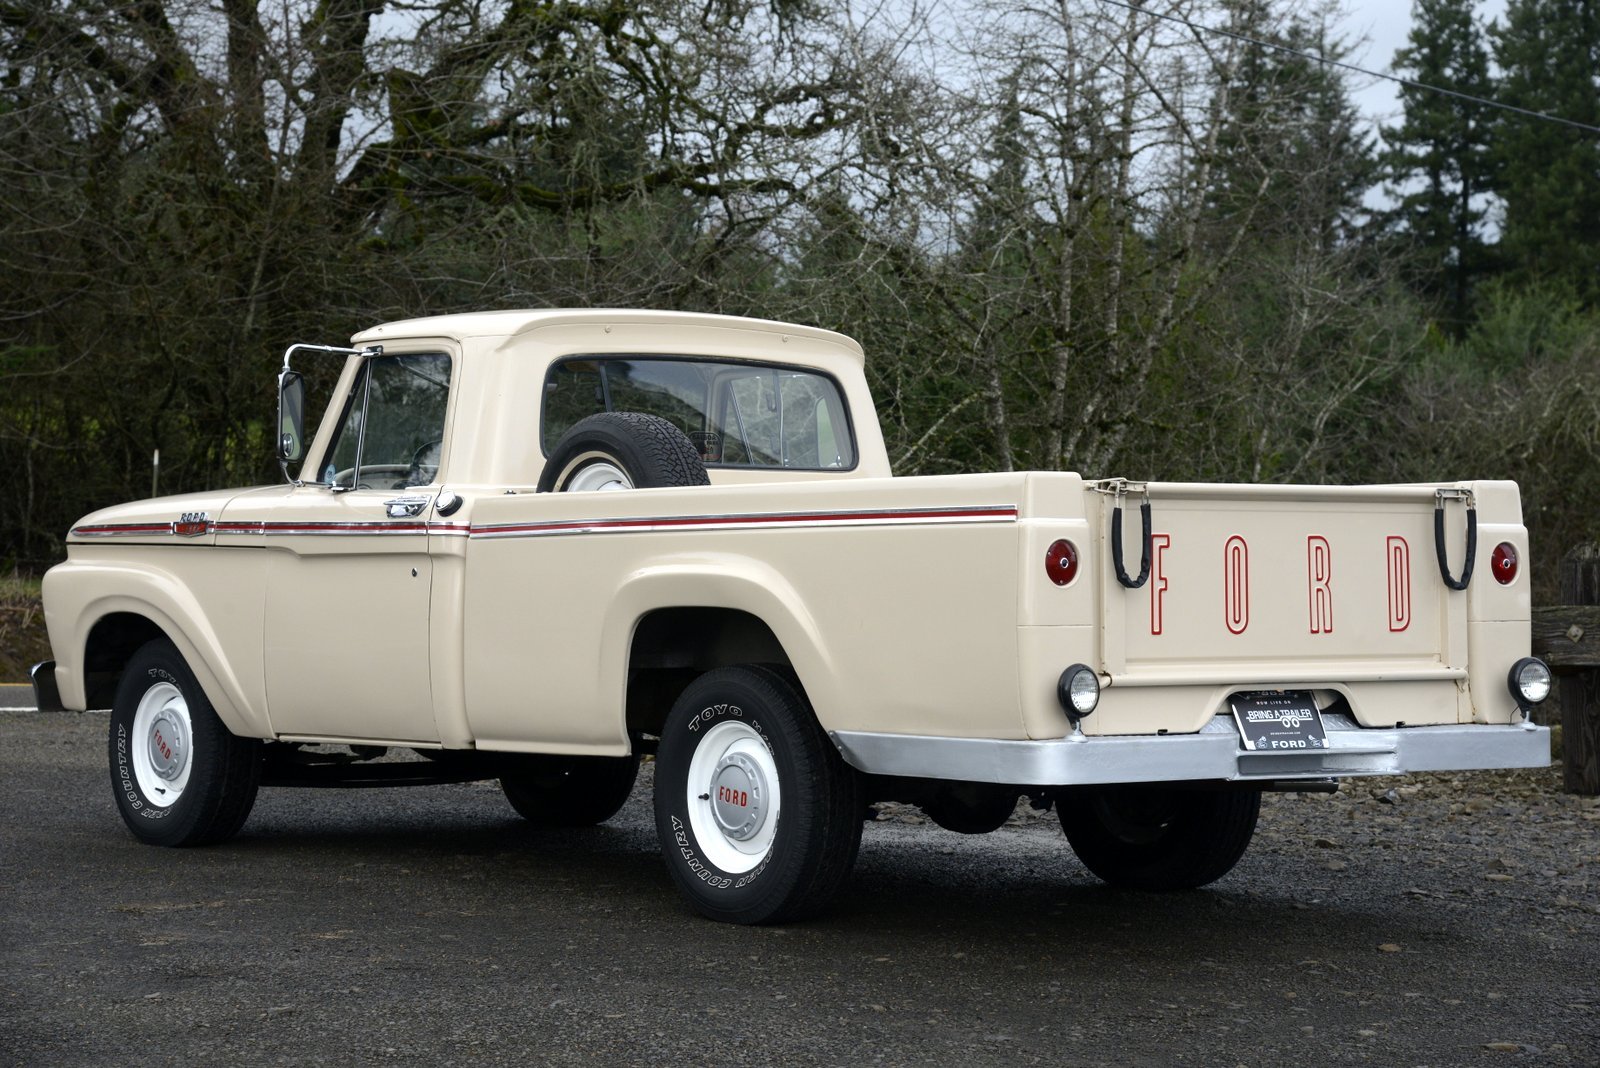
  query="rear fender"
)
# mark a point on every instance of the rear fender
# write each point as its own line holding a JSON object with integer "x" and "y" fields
{"x": 748, "y": 586}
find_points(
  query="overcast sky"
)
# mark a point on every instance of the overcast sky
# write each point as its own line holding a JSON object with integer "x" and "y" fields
{"x": 1386, "y": 23}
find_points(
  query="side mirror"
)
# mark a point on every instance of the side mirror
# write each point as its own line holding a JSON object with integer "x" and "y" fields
{"x": 291, "y": 417}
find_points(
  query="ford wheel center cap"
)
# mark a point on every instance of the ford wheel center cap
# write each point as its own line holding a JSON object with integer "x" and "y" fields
{"x": 169, "y": 743}
{"x": 738, "y": 796}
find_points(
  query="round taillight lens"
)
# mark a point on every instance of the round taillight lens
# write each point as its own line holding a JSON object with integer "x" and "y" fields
{"x": 1504, "y": 563}
{"x": 1061, "y": 562}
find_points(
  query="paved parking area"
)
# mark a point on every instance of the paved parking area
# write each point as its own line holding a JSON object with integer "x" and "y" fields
{"x": 429, "y": 925}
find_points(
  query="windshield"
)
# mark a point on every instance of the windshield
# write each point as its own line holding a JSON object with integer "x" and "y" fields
{"x": 393, "y": 424}
{"x": 736, "y": 414}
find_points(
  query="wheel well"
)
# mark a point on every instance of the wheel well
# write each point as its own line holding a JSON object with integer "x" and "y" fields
{"x": 112, "y": 641}
{"x": 671, "y": 646}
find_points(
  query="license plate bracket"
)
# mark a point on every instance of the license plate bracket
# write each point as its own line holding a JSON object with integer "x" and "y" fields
{"x": 1278, "y": 721}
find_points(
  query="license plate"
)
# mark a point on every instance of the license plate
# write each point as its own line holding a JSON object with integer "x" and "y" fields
{"x": 1278, "y": 721}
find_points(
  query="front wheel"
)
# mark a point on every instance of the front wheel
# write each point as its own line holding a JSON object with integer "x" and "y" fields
{"x": 759, "y": 817}
{"x": 179, "y": 777}
{"x": 1159, "y": 837}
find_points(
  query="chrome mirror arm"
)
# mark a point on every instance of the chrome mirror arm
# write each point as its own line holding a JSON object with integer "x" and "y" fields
{"x": 332, "y": 350}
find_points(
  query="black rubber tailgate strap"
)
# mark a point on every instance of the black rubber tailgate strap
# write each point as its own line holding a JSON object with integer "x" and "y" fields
{"x": 1116, "y": 544}
{"x": 1472, "y": 542}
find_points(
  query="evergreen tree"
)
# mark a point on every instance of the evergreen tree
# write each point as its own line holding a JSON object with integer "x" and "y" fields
{"x": 1290, "y": 119}
{"x": 1436, "y": 163}
{"x": 1548, "y": 174}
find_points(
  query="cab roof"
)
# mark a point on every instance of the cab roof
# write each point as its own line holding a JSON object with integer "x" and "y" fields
{"x": 512, "y": 322}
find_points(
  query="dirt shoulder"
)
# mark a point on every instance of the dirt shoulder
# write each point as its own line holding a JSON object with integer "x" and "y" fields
{"x": 23, "y": 641}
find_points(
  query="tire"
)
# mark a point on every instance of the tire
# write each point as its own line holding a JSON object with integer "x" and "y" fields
{"x": 562, "y": 791}
{"x": 1159, "y": 838}
{"x": 622, "y": 450}
{"x": 971, "y": 809}
{"x": 197, "y": 791}
{"x": 759, "y": 817}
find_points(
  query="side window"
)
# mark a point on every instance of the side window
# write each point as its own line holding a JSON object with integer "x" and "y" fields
{"x": 782, "y": 418}
{"x": 808, "y": 438}
{"x": 393, "y": 425}
{"x": 749, "y": 420}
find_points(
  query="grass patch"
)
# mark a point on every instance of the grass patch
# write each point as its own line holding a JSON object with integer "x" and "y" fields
{"x": 23, "y": 641}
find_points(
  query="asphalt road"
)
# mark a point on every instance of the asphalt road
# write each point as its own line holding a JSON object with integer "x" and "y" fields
{"x": 429, "y": 926}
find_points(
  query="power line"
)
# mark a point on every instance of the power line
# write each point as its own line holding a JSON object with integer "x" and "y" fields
{"x": 1408, "y": 83}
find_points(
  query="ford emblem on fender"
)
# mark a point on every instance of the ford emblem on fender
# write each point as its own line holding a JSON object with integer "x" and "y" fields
{"x": 191, "y": 525}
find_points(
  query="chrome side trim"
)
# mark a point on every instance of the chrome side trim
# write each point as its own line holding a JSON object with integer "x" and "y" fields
{"x": 1212, "y": 754}
{"x": 643, "y": 525}
{"x": 122, "y": 530}
{"x": 752, "y": 521}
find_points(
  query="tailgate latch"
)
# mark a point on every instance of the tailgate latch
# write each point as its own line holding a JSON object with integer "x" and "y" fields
{"x": 1440, "y": 496}
{"x": 1119, "y": 488}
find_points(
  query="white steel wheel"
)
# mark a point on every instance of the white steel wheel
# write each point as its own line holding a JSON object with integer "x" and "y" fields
{"x": 733, "y": 797}
{"x": 163, "y": 744}
{"x": 595, "y": 472}
{"x": 758, "y": 816}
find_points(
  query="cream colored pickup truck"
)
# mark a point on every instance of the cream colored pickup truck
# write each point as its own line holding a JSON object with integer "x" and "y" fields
{"x": 534, "y": 545}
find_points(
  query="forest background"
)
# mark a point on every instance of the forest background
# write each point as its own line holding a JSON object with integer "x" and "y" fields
{"x": 1071, "y": 234}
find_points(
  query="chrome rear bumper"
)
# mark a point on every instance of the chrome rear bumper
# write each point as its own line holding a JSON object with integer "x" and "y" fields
{"x": 1212, "y": 754}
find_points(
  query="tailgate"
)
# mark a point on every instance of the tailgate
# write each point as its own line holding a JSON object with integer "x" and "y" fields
{"x": 1286, "y": 584}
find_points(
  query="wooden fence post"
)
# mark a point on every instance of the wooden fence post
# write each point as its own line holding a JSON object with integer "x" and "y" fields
{"x": 1580, "y": 688}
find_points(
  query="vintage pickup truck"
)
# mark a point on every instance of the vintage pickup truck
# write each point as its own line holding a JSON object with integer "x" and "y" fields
{"x": 791, "y": 631}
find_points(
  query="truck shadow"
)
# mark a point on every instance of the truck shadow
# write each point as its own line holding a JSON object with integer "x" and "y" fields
{"x": 1020, "y": 895}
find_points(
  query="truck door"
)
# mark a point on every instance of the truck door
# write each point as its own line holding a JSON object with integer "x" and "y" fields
{"x": 347, "y": 607}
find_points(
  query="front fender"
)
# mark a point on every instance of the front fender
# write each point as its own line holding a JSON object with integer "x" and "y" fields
{"x": 744, "y": 585}
{"x": 79, "y": 594}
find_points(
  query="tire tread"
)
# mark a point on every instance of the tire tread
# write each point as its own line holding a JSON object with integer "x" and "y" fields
{"x": 653, "y": 450}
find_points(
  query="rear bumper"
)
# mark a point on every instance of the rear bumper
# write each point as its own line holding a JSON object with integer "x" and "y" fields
{"x": 1212, "y": 754}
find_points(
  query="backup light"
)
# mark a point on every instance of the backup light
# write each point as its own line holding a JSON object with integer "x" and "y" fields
{"x": 1078, "y": 690}
{"x": 1529, "y": 682}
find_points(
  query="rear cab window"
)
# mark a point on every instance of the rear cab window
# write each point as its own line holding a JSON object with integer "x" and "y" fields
{"x": 736, "y": 414}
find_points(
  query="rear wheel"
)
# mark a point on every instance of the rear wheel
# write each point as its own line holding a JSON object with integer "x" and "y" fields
{"x": 570, "y": 791}
{"x": 1159, "y": 837}
{"x": 759, "y": 817}
{"x": 179, "y": 777}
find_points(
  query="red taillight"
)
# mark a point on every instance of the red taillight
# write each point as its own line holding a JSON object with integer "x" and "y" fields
{"x": 1061, "y": 562}
{"x": 1504, "y": 563}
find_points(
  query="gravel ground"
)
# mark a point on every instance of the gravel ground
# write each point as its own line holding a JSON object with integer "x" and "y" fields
{"x": 1434, "y": 920}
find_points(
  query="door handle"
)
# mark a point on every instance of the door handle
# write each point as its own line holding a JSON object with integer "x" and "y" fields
{"x": 406, "y": 507}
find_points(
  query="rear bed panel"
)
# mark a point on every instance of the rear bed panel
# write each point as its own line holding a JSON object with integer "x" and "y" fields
{"x": 1332, "y": 589}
